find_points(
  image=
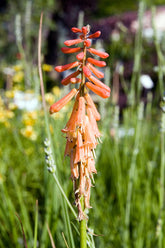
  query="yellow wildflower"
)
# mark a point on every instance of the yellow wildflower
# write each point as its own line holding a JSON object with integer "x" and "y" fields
{"x": 29, "y": 118}
{"x": 18, "y": 77}
{"x": 49, "y": 97}
{"x": 7, "y": 124}
{"x": 9, "y": 114}
{"x": 56, "y": 91}
{"x": 9, "y": 93}
{"x": 2, "y": 116}
{"x": 29, "y": 133}
{"x": 12, "y": 106}
{"x": 18, "y": 67}
{"x": 5, "y": 114}
{"x": 47, "y": 67}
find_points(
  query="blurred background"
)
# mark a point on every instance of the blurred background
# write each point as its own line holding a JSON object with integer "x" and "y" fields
{"x": 128, "y": 197}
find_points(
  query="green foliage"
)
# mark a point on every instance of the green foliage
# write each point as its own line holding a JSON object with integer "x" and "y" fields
{"x": 112, "y": 7}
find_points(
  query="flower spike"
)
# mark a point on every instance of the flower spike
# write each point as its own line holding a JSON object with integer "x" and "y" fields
{"x": 81, "y": 131}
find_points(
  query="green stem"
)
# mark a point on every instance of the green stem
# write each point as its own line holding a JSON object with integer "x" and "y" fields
{"x": 36, "y": 225}
{"x": 83, "y": 234}
{"x": 64, "y": 195}
{"x": 162, "y": 179}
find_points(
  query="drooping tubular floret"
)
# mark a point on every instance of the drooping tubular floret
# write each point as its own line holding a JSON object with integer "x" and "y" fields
{"x": 81, "y": 131}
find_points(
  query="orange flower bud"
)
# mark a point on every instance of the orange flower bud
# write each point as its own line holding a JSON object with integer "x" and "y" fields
{"x": 92, "y": 106}
{"x": 96, "y": 62}
{"x": 72, "y": 42}
{"x": 103, "y": 55}
{"x": 84, "y": 30}
{"x": 99, "y": 83}
{"x": 98, "y": 73}
{"x": 80, "y": 56}
{"x": 87, "y": 43}
{"x": 70, "y": 50}
{"x": 62, "y": 102}
{"x": 75, "y": 80}
{"x": 66, "y": 80}
{"x": 86, "y": 71}
{"x": 76, "y": 30}
{"x": 97, "y": 90}
{"x": 61, "y": 68}
{"x": 94, "y": 35}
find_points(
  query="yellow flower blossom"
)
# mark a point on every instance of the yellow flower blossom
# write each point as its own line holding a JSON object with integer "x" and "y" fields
{"x": 2, "y": 116}
{"x": 29, "y": 133}
{"x": 49, "y": 97}
{"x": 18, "y": 77}
{"x": 9, "y": 114}
{"x": 5, "y": 114}
{"x": 47, "y": 67}
{"x": 56, "y": 91}
{"x": 9, "y": 94}
{"x": 17, "y": 87}
{"x": 7, "y": 124}
{"x": 12, "y": 106}
{"x": 18, "y": 67}
{"x": 29, "y": 118}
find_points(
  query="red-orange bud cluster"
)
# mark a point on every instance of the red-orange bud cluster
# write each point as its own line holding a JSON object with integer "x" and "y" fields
{"x": 81, "y": 130}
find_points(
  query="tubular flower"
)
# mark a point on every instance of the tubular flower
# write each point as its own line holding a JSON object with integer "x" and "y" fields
{"x": 81, "y": 131}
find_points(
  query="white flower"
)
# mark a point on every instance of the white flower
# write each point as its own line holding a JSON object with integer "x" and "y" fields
{"x": 146, "y": 81}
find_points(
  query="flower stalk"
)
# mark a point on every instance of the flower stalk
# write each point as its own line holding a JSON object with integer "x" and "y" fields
{"x": 81, "y": 130}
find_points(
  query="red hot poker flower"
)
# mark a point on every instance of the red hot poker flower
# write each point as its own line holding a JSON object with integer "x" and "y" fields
{"x": 81, "y": 130}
